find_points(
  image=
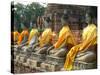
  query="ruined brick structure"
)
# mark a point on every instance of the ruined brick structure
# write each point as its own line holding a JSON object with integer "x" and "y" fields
{"x": 76, "y": 15}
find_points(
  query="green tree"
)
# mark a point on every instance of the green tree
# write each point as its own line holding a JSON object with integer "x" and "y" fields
{"x": 27, "y": 13}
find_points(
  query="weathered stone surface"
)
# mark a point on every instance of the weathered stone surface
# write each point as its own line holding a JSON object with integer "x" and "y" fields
{"x": 50, "y": 67}
{"x": 39, "y": 57}
{"x": 55, "y": 59}
{"x": 79, "y": 65}
{"x": 32, "y": 63}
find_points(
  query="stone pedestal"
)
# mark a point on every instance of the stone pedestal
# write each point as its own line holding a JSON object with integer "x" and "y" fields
{"x": 50, "y": 67}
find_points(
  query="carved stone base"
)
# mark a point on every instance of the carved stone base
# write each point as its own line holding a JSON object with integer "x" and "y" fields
{"x": 50, "y": 67}
{"x": 79, "y": 65}
{"x": 38, "y": 57}
{"x": 58, "y": 60}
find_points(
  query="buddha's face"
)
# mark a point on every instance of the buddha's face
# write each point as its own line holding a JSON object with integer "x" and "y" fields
{"x": 63, "y": 22}
{"x": 22, "y": 26}
{"x": 15, "y": 28}
{"x": 87, "y": 18}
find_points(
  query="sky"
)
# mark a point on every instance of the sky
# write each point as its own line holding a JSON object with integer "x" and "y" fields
{"x": 29, "y": 2}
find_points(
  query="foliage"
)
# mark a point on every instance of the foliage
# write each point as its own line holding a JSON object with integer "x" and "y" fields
{"x": 27, "y": 13}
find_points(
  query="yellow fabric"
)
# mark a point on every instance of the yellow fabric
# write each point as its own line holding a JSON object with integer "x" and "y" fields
{"x": 89, "y": 38}
{"x": 90, "y": 27}
{"x": 65, "y": 37}
{"x": 33, "y": 32}
{"x": 15, "y": 35}
{"x": 45, "y": 37}
{"x": 70, "y": 57}
{"x": 22, "y": 35}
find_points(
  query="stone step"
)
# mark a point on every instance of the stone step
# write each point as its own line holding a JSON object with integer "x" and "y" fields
{"x": 50, "y": 67}
{"x": 55, "y": 59}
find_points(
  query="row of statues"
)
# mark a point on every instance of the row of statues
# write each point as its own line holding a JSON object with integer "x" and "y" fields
{"x": 61, "y": 45}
